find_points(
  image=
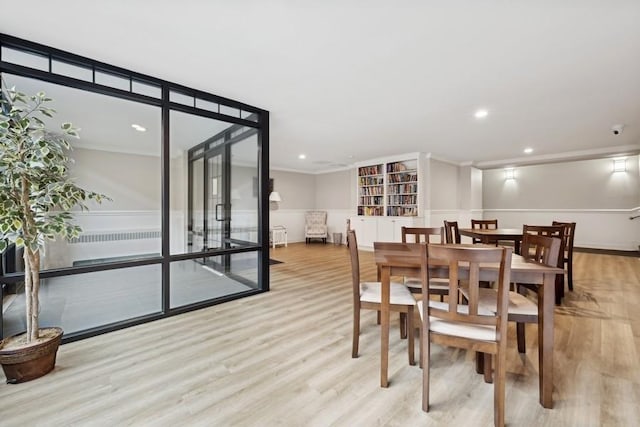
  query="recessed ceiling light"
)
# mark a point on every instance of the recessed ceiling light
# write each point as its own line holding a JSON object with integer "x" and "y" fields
{"x": 139, "y": 128}
{"x": 528, "y": 150}
{"x": 302, "y": 156}
{"x": 481, "y": 114}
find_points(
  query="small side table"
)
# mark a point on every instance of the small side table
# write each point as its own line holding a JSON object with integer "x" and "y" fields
{"x": 278, "y": 235}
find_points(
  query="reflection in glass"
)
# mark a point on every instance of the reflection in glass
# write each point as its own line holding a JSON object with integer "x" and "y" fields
{"x": 84, "y": 301}
{"x": 214, "y": 202}
{"x": 207, "y": 278}
{"x": 244, "y": 191}
{"x": 113, "y": 159}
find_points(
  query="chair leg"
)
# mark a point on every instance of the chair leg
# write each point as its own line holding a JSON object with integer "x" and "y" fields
{"x": 488, "y": 372}
{"x": 521, "y": 338}
{"x": 559, "y": 288}
{"x": 499, "y": 388}
{"x": 356, "y": 332}
{"x": 479, "y": 363}
{"x": 425, "y": 342}
{"x": 420, "y": 342}
{"x": 411, "y": 336}
{"x": 403, "y": 325}
{"x": 570, "y": 275}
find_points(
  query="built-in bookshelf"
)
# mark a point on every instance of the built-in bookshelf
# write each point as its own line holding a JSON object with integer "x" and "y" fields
{"x": 402, "y": 188}
{"x": 390, "y": 187}
{"x": 371, "y": 190}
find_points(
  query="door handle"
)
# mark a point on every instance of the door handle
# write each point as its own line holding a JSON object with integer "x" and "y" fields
{"x": 218, "y": 217}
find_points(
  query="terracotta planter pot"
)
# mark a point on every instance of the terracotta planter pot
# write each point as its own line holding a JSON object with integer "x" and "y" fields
{"x": 22, "y": 364}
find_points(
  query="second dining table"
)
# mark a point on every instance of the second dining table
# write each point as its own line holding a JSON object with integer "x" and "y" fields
{"x": 493, "y": 236}
{"x": 403, "y": 259}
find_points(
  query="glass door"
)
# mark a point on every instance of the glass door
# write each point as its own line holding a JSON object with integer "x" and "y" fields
{"x": 217, "y": 221}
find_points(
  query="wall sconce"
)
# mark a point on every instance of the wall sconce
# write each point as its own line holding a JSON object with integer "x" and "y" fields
{"x": 620, "y": 165}
{"x": 508, "y": 174}
{"x": 275, "y": 197}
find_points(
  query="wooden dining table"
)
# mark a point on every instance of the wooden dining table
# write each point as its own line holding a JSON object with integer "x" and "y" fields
{"x": 492, "y": 237}
{"x": 403, "y": 259}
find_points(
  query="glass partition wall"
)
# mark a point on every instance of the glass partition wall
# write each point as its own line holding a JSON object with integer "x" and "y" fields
{"x": 187, "y": 174}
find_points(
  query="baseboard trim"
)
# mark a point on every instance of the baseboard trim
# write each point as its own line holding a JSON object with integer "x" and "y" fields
{"x": 607, "y": 251}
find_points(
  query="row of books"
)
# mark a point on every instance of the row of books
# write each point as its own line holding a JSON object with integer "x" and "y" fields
{"x": 402, "y": 188}
{"x": 372, "y": 191}
{"x": 410, "y": 199}
{"x": 370, "y": 170}
{"x": 370, "y": 200}
{"x": 371, "y": 180}
{"x": 404, "y": 177}
{"x": 398, "y": 167}
{"x": 402, "y": 211}
{"x": 371, "y": 210}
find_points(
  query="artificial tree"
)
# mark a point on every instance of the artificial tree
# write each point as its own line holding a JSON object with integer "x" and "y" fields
{"x": 36, "y": 191}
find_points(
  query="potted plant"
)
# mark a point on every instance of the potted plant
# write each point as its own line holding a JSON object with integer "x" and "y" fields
{"x": 36, "y": 195}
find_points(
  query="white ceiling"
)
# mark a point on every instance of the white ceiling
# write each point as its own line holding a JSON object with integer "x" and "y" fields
{"x": 347, "y": 81}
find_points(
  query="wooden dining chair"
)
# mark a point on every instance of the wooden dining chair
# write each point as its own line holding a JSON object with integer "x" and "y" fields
{"x": 484, "y": 224}
{"x": 368, "y": 295}
{"x": 569, "y": 233}
{"x": 451, "y": 232}
{"x": 437, "y": 286}
{"x": 467, "y": 326}
{"x": 536, "y": 248}
{"x": 551, "y": 231}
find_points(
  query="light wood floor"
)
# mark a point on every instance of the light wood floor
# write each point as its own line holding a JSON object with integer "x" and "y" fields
{"x": 284, "y": 358}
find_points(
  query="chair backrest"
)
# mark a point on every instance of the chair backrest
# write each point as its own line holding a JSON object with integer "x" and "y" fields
{"x": 549, "y": 231}
{"x": 421, "y": 234}
{"x": 315, "y": 217}
{"x": 484, "y": 224}
{"x": 352, "y": 242}
{"x": 540, "y": 248}
{"x": 469, "y": 258}
{"x": 569, "y": 233}
{"x": 451, "y": 232}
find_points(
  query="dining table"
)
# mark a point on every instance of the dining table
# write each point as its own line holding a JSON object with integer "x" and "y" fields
{"x": 404, "y": 259}
{"x": 493, "y": 236}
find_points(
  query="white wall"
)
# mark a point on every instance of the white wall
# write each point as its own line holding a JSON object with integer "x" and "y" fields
{"x": 586, "y": 191}
{"x": 332, "y": 192}
{"x": 131, "y": 180}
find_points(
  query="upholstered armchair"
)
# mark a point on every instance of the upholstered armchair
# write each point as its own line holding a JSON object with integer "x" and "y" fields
{"x": 315, "y": 225}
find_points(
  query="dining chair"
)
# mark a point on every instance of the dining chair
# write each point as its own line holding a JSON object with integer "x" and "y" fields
{"x": 437, "y": 286}
{"x": 368, "y": 295}
{"x": 484, "y": 224}
{"x": 569, "y": 233}
{"x": 551, "y": 231}
{"x": 467, "y": 326}
{"x": 451, "y": 232}
{"x": 536, "y": 248}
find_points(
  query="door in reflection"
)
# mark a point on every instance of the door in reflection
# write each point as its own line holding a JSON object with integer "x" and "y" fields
{"x": 217, "y": 223}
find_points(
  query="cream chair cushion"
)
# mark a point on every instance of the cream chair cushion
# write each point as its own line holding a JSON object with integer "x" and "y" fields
{"x": 459, "y": 329}
{"x": 372, "y": 292}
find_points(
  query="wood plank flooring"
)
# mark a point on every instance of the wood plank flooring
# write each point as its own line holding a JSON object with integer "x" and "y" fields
{"x": 284, "y": 359}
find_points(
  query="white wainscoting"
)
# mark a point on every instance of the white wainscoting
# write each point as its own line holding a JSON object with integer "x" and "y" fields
{"x": 595, "y": 228}
{"x": 293, "y": 220}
